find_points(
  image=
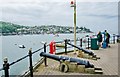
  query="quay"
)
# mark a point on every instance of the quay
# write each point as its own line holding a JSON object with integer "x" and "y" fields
{"x": 103, "y": 61}
{"x": 108, "y": 62}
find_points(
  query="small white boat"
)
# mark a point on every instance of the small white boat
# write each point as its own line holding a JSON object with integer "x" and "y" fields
{"x": 21, "y": 46}
{"x": 56, "y": 35}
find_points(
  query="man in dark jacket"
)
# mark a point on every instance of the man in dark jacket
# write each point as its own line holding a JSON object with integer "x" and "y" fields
{"x": 99, "y": 36}
{"x": 107, "y": 39}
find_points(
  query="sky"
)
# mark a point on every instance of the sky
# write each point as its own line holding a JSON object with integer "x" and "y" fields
{"x": 97, "y": 15}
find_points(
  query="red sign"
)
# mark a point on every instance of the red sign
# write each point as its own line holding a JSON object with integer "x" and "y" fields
{"x": 72, "y": 2}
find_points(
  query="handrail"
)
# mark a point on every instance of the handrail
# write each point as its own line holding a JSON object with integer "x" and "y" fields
{"x": 80, "y": 48}
{"x": 37, "y": 50}
{"x": 25, "y": 57}
{"x": 18, "y": 60}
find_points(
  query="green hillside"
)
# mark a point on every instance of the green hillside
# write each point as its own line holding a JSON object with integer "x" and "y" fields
{"x": 7, "y": 28}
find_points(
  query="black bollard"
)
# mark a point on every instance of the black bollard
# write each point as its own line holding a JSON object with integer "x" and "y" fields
{"x": 66, "y": 46}
{"x": 81, "y": 42}
{"x": 113, "y": 39}
{"x": 6, "y": 67}
{"x": 118, "y": 36}
{"x": 88, "y": 43}
{"x": 30, "y": 59}
{"x": 45, "y": 52}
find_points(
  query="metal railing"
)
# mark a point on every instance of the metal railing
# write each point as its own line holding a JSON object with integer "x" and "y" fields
{"x": 6, "y": 65}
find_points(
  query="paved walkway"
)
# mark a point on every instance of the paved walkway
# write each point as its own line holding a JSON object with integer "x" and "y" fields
{"x": 108, "y": 62}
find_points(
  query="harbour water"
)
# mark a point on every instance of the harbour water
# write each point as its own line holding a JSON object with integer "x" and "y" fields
{"x": 10, "y": 49}
{"x": 0, "y": 54}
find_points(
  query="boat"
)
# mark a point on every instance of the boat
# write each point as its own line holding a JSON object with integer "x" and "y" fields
{"x": 21, "y": 46}
{"x": 56, "y": 35}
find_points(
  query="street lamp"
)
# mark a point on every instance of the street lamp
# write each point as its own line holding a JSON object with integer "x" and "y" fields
{"x": 73, "y": 4}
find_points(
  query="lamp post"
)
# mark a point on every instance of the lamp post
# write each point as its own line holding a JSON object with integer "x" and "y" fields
{"x": 73, "y": 4}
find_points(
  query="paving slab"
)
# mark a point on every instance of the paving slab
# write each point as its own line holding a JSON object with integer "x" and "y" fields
{"x": 108, "y": 62}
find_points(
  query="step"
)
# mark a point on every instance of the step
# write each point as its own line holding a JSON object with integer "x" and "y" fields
{"x": 98, "y": 68}
{"x": 98, "y": 72}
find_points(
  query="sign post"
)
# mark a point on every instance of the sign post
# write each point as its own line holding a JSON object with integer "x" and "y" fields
{"x": 73, "y": 4}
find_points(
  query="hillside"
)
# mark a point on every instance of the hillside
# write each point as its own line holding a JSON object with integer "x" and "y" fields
{"x": 7, "y": 28}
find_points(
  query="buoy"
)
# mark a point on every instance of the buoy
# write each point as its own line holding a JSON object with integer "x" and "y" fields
{"x": 52, "y": 47}
{"x": 15, "y": 44}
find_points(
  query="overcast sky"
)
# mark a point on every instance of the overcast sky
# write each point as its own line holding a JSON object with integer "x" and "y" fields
{"x": 96, "y": 15}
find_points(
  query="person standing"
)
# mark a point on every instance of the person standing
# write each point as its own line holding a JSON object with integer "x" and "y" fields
{"x": 107, "y": 39}
{"x": 99, "y": 37}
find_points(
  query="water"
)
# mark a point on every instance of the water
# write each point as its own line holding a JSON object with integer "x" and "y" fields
{"x": 10, "y": 49}
{"x": 0, "y": 54}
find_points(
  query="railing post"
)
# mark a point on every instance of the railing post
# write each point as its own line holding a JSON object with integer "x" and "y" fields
{"x": 6, "y": 67}
{"x": 45, "y": 52}
{"x": 30, "y": 58}
{"x": 88, "y": 43}
{"x": 66, "y": 46}
{"x": 81, "y": 42}
{"x": 118, "y": 38}
{"x": 113, "y": 38}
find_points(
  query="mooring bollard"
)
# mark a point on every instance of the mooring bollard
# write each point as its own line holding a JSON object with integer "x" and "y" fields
{"x": 30, "y": 59}
{"x": 66, "y": 46}
{"x": 113, "y": 38}
{"x": 88, "y": 43}
{"x": 45, "y": 52}
{"x": 6, "y": 67}
{"x": 81, "y": 42}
